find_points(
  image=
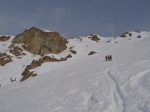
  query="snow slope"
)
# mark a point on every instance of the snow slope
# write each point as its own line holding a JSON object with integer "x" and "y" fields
{"x": 86, "y": 83}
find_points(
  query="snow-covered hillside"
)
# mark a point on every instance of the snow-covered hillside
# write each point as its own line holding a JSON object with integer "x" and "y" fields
{"x": 83, "y": 83}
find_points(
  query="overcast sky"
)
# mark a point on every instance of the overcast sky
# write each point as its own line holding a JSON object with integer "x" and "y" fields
{"x": 75, "y": 17}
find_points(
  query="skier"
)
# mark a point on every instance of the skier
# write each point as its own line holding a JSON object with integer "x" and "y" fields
{"x": 110, "y": 57}
{"x": 106, "y": 58}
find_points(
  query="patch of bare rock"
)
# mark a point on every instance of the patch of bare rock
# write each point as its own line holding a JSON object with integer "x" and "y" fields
{"x": 94, "y": 38}
{"x": 4, "y": 38}
{"x": 129, "y": 34}
{"x": 92, "y": 52}
{"x": 126, "y": 34}
{"x": 17, "y": 51}
{"x": 36, "y": 63}
{"x": 4, "y": 59}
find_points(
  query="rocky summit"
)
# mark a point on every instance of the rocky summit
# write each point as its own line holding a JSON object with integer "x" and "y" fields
{"x": 39, "y": 42}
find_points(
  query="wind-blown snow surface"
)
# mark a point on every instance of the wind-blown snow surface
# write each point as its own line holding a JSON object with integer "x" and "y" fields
{"x": 88, "y": 83}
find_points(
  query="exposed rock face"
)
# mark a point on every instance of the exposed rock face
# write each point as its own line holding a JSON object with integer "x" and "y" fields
{"x": 4, "y": 38}
{"x": 94, "y": 38}
{"x": 4, "y": 59}
{"x": 39, "y": 42}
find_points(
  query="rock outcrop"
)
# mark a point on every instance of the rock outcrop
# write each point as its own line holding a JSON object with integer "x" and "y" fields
{"x": 94, "y": 37}
{"x": 73, "y": 51}
{"x": 92, "y": 52}
{"x": 17, "y": 51}
{"x": 40, "y": 42}
{"x": 4, "y": 59}
{"x": 4, "y": 38}
{"x": 36, "y": 63}
{"x": 126, "y": 34}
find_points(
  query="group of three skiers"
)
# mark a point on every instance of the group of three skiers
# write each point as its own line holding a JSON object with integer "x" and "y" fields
{"x": 108, "y": 58}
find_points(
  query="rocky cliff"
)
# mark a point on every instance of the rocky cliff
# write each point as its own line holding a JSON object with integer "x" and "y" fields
{"x": 40, "y": 42}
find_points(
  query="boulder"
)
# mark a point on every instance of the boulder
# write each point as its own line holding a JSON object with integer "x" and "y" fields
{"x": 92, "y": 52}
{"x": 39, "y": 42}
{"x": 73, "y": 51}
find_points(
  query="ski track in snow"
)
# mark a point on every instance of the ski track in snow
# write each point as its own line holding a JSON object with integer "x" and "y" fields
{"x": 136, "y": 85}
{"x": 117, "y": 90}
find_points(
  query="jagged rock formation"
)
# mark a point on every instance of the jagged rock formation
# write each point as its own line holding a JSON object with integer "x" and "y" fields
{"x": 39, "y": 42}
{"x": 4, "y": 59}
{"x": 4, "y": 38}
{"x": 94, "y": 37}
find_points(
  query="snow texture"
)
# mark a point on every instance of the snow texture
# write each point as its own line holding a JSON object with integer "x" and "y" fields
{"x": 83, "y": 83}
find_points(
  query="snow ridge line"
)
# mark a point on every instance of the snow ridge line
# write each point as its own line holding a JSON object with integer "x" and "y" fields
{"x": 118, "y": 90}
